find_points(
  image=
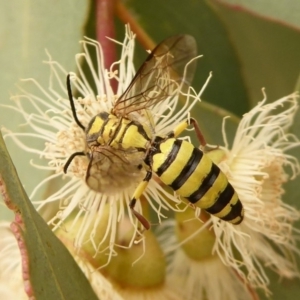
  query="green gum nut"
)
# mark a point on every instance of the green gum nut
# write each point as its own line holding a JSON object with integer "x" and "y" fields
{"x": 134, "y": 268}
{"x": 200, "y": 246}
{"x": 100, "y": 237}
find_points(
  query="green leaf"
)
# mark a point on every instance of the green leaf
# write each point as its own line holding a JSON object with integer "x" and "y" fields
{"x": 161, "y": 19}
{"x": 292, "y": 195}
{"x": 284, "y": 11}
{"x": 53, "y": 273}
{"x": 211, "y": 118}
{"x": 282, "y": 288}
{"x": 27, "y": 29}
{"x": 297, "y": 86}
{"x": 268, "y": 49}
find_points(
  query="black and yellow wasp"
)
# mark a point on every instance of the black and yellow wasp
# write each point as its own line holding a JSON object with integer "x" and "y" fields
{"x": 123, "y": 148}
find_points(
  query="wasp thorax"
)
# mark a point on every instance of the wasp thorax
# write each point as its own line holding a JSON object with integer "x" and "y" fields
{"x": 116, "y": 149}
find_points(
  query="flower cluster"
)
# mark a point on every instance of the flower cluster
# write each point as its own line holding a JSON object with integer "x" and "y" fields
{"x": 102, "y": 225}
{"x": 51, "y": 118}
{"x": 258, "y": 164}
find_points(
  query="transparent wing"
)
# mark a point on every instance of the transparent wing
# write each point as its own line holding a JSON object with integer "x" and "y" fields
{"x": 111, "y": 170}
{"x": 160, "y": 76}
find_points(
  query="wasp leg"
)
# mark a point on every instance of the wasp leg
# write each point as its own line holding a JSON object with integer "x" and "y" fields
{"x": 137, "y": 194}
{"x": 191, "y": 121}
{"x": 183, "y": 125}
{"x": 201, "y": 138}
{"x": 199, "y": 134}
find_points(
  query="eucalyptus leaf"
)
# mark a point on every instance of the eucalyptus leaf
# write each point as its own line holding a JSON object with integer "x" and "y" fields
{"x": 284, "y": 11}
{"x": 210, "y": 118}
{"x": 53, "y": 273}
{"x": 268, "y": 49}
{"x": 27, "y": 29}
{"x": 161, "y": 19}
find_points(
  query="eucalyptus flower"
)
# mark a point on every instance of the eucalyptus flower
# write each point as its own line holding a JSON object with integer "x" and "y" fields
{"x": 51, "y": 120}
{"x": 258, "y": 164}
{"x": 11, "y": 281}
{"x": 96, "y": 223}
{"x": 194, "y": 271}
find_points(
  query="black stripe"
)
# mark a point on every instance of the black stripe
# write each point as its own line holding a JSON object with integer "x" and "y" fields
{"x": 236, "y": 211}
{"x": 170, "y": 158}
{"x": 205, "y": 185}
{"x": 142, "y": 131}
{"x": 124, "y": 131}
{"x": 103, "y": 125}
{"x": 223, "y": 199}
{"x": 116, "y": 131}
{"x": 188, "y": 169}
{"x": 103, "y": 115}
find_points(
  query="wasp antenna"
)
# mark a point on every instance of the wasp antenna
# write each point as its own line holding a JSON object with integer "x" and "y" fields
{"x": 72, "y": 103}
{"x": 66, "y": 166}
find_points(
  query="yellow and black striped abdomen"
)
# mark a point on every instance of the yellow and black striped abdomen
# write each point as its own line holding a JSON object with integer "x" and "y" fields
{"x": 193, "y": 175}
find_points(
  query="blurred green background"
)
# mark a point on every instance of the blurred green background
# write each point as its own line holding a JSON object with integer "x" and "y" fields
{"x": 247, "y": 45}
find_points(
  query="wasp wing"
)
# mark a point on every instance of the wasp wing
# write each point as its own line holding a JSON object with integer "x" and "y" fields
{"x": 161, "y": 75}
{"x": 113, "y": 170}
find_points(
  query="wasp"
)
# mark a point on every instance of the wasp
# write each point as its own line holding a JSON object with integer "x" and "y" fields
{"x": 123, "y": 148}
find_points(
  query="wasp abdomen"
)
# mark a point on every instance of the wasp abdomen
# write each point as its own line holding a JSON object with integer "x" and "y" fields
{"x": 193, "y": 175}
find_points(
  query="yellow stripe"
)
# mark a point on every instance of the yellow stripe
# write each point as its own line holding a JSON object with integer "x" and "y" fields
{"x": 213, "y": 193}
{"x": 132, "y": 138}
{"x": 96, "y": 126}
{"x": 237, "y": 219}
{"x": 172, "y": 172}
{"x": 115, "y": 143}
{"x": 195, "y": 180}
{"x": 227, "y": 209}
